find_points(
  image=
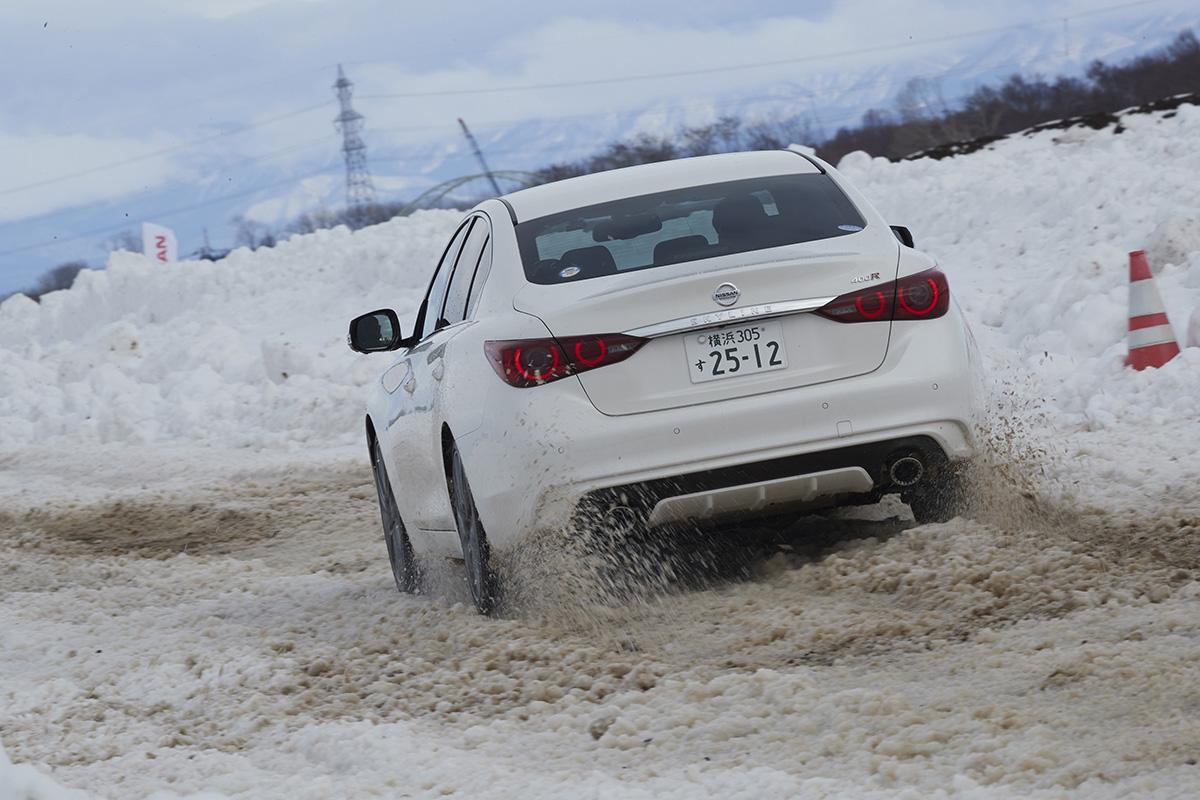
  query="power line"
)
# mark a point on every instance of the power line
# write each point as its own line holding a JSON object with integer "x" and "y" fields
{"x": 385, "y": 159}
{"x": 752, "y": 65}
{"x": 163, "y": 151}
{"x": 723, "y": 108}
{"x": 269, "y": 155}
{"x": 796, "y": 96}
{"x": 168, "y": 213}
{"x": 567, "y": 84}
{"x": 293, "y": 179}
{"x": 800, "y": 93}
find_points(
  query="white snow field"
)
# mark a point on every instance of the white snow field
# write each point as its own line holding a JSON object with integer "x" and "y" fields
{"x": 195, "y": 601}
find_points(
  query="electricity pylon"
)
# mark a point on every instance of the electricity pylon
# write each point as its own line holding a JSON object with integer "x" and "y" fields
{"x": 360, "y": 191}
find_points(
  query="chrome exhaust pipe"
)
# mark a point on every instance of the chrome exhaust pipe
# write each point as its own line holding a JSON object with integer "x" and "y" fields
{"x": 906, "y": 470}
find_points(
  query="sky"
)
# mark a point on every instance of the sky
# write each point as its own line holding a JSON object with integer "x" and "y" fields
{"x": 118, "y": 111}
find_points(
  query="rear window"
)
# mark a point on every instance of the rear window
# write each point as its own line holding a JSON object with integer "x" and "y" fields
{"x": 655, "y": 230}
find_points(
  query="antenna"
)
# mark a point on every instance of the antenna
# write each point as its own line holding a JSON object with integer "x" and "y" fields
{"x": 360, "y": 191}
{"x": 479, "y": 155}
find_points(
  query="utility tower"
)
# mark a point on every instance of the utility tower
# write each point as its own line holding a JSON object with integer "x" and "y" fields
{"x": 479, "y": 155}
{"x": 360, "y": 192}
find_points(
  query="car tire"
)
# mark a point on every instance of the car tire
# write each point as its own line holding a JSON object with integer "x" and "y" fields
{"x": 400, "y": 552}
{"x": 939, "y": 499}
{"x": 482, "y": 579}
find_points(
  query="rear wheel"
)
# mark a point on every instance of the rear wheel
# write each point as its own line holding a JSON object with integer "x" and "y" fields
{"x": 627, "y": 561}
{"x": 481, "y": 577}
{"x": 939, "y": 498}
{"x": 400, "y": 552}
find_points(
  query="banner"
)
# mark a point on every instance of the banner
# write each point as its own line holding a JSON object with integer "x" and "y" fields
{"x": 158, "y": 242}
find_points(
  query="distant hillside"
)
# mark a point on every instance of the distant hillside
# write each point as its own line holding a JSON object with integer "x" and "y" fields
{"x": 922, "y": 121}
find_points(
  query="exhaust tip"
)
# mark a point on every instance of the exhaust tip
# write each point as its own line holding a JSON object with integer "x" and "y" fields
{"x": 906, "y": 470}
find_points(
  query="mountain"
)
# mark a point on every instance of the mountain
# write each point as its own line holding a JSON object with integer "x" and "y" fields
{"x": 830, "y": 94}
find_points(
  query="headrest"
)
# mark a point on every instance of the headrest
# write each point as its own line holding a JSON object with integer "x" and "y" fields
{"x": 546, "y": 270}
{"x": 590, "y": 261}
{"x": 685, "y": 248}
{"x": 739, "y": 215}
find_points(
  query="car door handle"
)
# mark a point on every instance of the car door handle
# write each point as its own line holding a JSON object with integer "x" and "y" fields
{"x": 438, "y": 369}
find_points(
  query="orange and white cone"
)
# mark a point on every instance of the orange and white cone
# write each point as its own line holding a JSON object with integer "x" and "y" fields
{"x": 1151, "y": 337}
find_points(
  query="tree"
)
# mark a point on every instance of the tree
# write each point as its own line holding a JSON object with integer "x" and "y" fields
{"x": 60, "y": 277}
{"x": 252, "y": 234}
{"x": 125, "y": 240}
{"x": 316, "y": 220}
{"x": 777, "y": 133}
{"x": 720, "y": 136}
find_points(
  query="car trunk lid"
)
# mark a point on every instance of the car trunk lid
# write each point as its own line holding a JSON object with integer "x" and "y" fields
{"x": 679, "y": 309}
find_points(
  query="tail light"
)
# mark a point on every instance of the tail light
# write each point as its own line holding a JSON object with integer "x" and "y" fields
{"x": 532, "y": 362}
{"x": 925, "y": 295}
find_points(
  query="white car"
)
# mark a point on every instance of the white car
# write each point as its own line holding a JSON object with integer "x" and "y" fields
{"x": 684, "y": 342}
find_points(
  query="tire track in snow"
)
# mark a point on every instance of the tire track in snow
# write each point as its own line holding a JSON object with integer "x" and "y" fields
{"x": 238, "y": 616}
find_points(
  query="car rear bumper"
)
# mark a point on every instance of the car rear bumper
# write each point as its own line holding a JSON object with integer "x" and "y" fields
{"x": 541, "y": 451}
{"x": 763, "y": 488}
{"x": 759, "y": 498}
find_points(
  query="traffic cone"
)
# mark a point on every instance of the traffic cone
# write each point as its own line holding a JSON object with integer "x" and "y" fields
{"x": 1151, "y": 337}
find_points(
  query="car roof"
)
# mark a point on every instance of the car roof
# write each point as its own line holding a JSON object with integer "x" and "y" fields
{"x": 663, "y": 176}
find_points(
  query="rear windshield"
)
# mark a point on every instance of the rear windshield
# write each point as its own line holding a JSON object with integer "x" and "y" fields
{"x": 655, "y": 230}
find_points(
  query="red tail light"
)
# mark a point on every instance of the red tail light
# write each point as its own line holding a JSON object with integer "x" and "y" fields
{"x": 925, "y": 295}
{"x": 532, "y": 362}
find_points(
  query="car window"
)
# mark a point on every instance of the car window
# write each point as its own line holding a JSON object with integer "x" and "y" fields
{"x": 481, "y": 276}
{"x": 689, "y": 224}
{"x": 455, "y": 308}
{"x": 436, "y": 296}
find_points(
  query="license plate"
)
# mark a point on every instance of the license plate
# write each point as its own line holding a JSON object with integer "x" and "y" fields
{"x": 734, "y": 351}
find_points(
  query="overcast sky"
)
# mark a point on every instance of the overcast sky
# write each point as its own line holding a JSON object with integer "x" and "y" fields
{"x": 87, "y": 84}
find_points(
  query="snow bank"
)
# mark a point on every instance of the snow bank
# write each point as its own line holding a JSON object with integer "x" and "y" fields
{"x": 23, "y": 782}
{"x": 248, "y": 351}
{"x": 1034, "y": 234}
{"x": 1174, "y": 240}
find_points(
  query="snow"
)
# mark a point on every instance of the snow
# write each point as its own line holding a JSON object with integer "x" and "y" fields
{"x": 1174, "y": 240}
{"x": 23, "y": 781}
{"x": 310, "y": 193}
{"x": 1034, "y": 234}
{"x": 247, "y": 351}
{"x": 195, "y": 601}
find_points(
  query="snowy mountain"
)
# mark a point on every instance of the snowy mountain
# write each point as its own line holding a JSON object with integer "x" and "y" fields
{"x": 831, "y": 93}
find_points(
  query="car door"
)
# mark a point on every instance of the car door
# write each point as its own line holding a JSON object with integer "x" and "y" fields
{"x": 455, "y": 401}
{"x": 411, "y": 383}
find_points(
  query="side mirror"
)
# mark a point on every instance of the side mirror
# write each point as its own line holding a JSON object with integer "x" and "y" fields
{"x": 904, "y": 235}
{"x": 375, "y": 332}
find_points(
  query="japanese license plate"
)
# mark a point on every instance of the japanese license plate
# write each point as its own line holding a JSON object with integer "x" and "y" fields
{"x": 735, "y": 350}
